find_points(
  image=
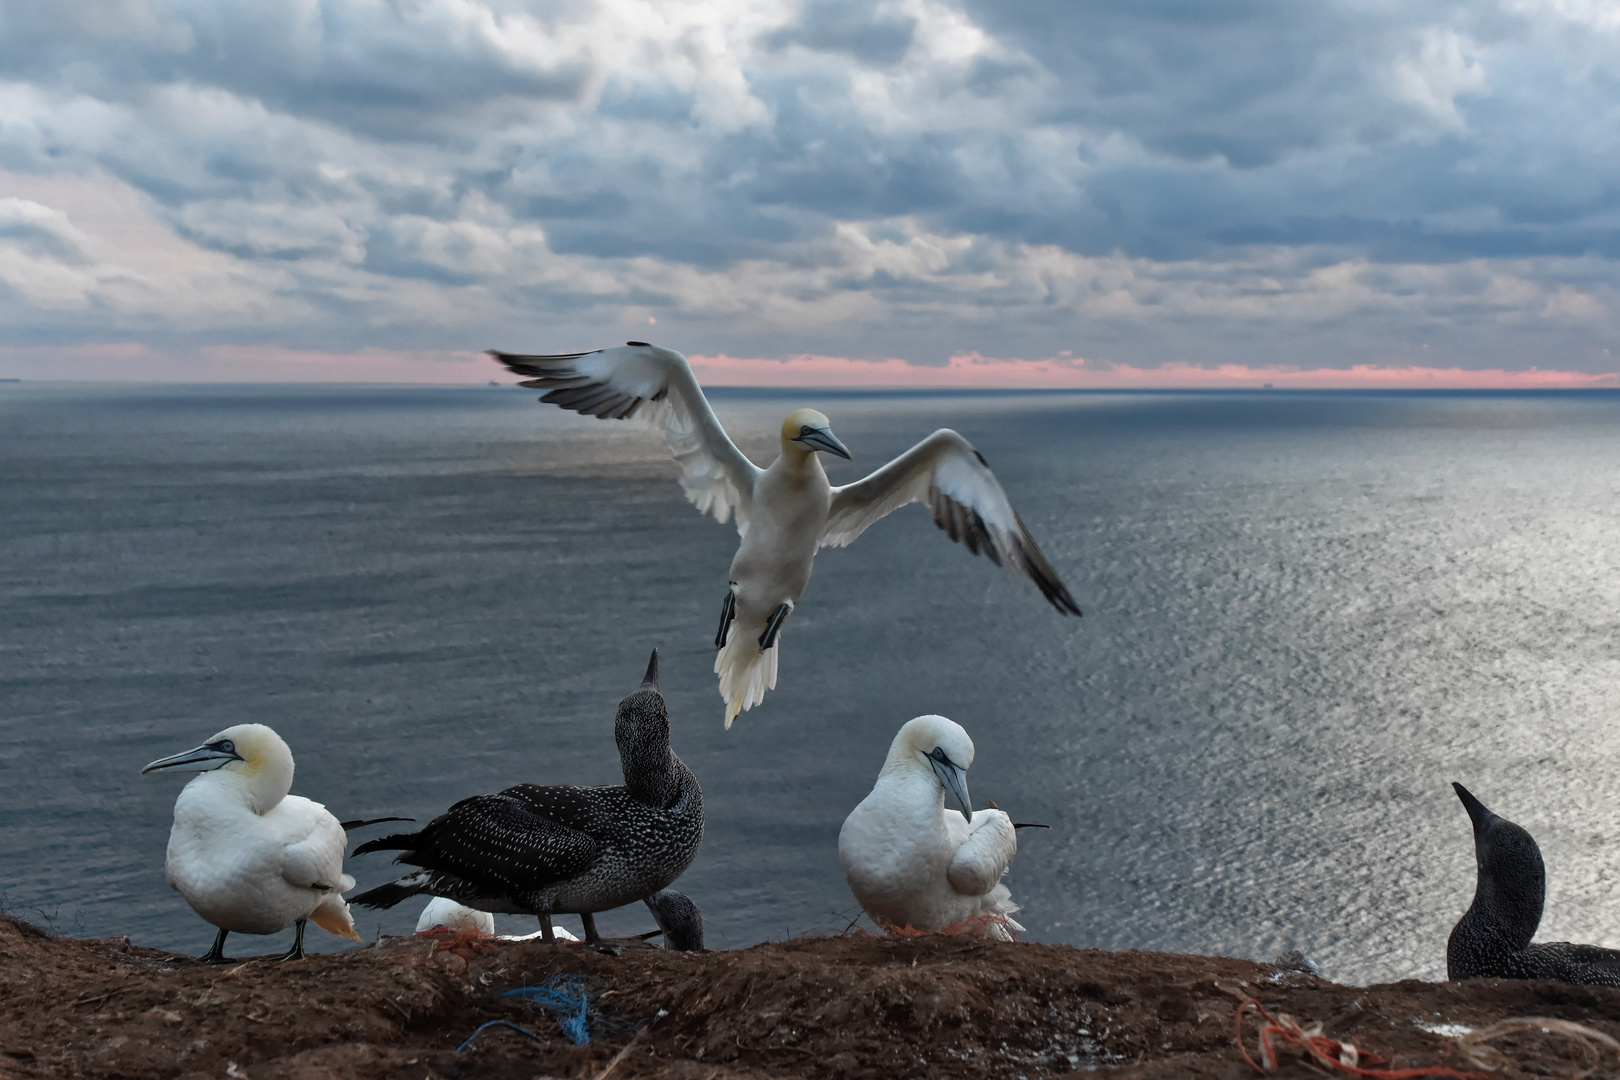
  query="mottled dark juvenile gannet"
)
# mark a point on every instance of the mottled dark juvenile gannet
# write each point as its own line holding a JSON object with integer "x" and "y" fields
{"x": 247, "y": 856}
{"x": 911, "y": 862}
{"x": 548, "y": 851}
{"x": 1492, "y": 939}
{"x": 679, "y": 920}
{"x": 786, "y": 512}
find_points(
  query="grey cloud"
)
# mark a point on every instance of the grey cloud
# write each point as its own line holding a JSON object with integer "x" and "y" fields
{"x": 861, "y": 30}
{"x": 345, "y": 150}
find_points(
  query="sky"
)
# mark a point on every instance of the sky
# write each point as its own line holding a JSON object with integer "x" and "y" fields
{"x": 1081, "y": 193}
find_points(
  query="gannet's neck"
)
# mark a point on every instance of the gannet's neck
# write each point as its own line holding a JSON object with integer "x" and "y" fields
{"x": 259, "y": 783}
{"x": 796, "y": 458}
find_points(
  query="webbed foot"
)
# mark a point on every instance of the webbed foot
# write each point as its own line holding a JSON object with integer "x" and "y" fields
{"x": 774, "y": 627}
{"x": 728, "y": 614}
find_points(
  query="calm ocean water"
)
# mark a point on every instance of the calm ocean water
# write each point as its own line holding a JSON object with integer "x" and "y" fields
{"x": 1306, "y": 614}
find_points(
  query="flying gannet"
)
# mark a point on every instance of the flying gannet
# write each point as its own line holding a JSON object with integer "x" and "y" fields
{"x": 547, "y": 851}
{"x": 786, "y": 512}
{"x": 912, "y": 863}
{"x": 1492, "y": 939}
{"x": 247, "y": 856}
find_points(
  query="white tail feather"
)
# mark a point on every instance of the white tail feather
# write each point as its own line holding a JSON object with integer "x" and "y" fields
{"x": 745, "y": 673}
{"x": 332, "y": 915}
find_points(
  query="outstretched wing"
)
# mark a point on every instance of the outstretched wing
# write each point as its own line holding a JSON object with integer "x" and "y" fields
{"x": 641, "y": 379}
{"x": 945, "y": 472}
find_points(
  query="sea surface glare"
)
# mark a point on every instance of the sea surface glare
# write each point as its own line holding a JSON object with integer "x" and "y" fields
{"x": 1305, "y": 614}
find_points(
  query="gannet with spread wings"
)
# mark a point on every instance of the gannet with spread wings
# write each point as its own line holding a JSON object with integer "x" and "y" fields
{"x": 786, "y": 512}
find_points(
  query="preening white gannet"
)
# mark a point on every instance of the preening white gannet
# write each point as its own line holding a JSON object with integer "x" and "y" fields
{"x": 912, "y": 863}
{"x": 786, "y": 512}
{"x": 247, "y": 856}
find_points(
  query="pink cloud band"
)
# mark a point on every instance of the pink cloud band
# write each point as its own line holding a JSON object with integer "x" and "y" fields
{"x": 235, "y": 363}
{"x": 975, "y": 371}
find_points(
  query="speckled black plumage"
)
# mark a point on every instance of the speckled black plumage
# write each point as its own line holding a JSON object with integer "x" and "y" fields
{"x": 679, "y": 918}
{"x": 563, "y": 850}
{"x": 1492, "y": 939}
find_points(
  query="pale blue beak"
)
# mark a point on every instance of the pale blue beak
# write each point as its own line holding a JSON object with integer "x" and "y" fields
{"x": 823, "y": 439}
{"x": 955, "y": 781}
{"x": 205, "y": 758}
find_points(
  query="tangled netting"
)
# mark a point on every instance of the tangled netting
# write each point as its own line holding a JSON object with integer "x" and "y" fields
{"x": 571, "y": 999}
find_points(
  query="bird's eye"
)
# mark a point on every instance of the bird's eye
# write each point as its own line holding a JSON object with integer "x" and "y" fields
{"x": 804, "y": 430}
{"x": 939, "y": 756}
{"x": 225, "y": 746}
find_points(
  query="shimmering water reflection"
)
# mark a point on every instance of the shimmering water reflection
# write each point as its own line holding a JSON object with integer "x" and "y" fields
{"x": 1305, "y": 615}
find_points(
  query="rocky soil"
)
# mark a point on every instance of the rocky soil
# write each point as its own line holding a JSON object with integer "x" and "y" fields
{"x": 857, "y": 1006}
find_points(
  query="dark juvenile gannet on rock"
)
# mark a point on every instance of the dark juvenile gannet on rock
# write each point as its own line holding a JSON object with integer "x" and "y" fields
{"x": 679, "y": 919}
{"x": 1492, "y": 939}
{"x": 786, "y": 512}
{"x": 247, "y": 856}
{"x": 912, "y": 863}
{"x": 547, "y": 851}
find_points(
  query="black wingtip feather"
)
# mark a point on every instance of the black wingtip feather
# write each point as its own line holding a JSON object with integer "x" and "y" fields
{"x": 396, "y": 842}
{"x": 383, "y": 896}
{"x": 360, "y": 823}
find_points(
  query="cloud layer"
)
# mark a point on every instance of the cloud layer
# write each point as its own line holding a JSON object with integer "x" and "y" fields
{"x": 1138, "y": 183}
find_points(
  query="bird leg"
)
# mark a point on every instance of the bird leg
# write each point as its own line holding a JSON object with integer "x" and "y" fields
{"x": 216, "y": 955}
{"x": 589, "y": 922}
{"x": 297, "y": 950}
{"x": 728, "y": 612}
{"x": 774, "y": 627}
{"x": 547, "y": 934}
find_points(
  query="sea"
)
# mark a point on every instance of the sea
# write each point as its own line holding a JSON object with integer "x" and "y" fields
{"x": 1306, "y": 614}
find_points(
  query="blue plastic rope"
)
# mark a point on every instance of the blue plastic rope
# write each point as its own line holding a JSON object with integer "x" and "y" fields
{"x": 567, "y": 997}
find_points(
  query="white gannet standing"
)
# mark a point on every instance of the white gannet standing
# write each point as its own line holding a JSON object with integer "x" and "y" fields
{"x": 442, "y": 913}
{"x": 912, "y": 863}
{"x": 247, "y": 856}
{"x": 786, "y": 512}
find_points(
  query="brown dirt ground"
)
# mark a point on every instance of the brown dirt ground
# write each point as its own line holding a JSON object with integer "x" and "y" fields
{"x": 856, "y": 1006}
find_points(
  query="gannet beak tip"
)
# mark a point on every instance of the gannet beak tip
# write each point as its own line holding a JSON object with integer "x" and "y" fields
{"x": 1478, "y": 812}
{"x": 833, "y": 445}
{"x": 651, "y": 679}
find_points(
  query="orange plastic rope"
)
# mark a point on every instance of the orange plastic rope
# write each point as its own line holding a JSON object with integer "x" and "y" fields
{"x": 1344, "y": 1058}
{"x": 973, "y": 924}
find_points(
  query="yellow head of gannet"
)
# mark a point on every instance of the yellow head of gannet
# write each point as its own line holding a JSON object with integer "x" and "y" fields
{"x": 938, "y": 745}
{"x": 254, "y": 758}
{"x": 805, "y": 431}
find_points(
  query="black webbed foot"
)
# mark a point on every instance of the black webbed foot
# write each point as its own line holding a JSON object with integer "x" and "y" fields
{"x": 774, "y": 627}
{"x": 728, "y": 614}
{"x": 297, "y": 950}
{"x": 216, "y": 955}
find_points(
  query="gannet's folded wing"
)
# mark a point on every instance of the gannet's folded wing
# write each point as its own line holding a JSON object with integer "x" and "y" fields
{"x": 493, "y": 841}
{"x": 313, "y": 843}
{"x": 947, "y": 473}
{"x": 656, "y": 383}
{"x": 984, "y": 855}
